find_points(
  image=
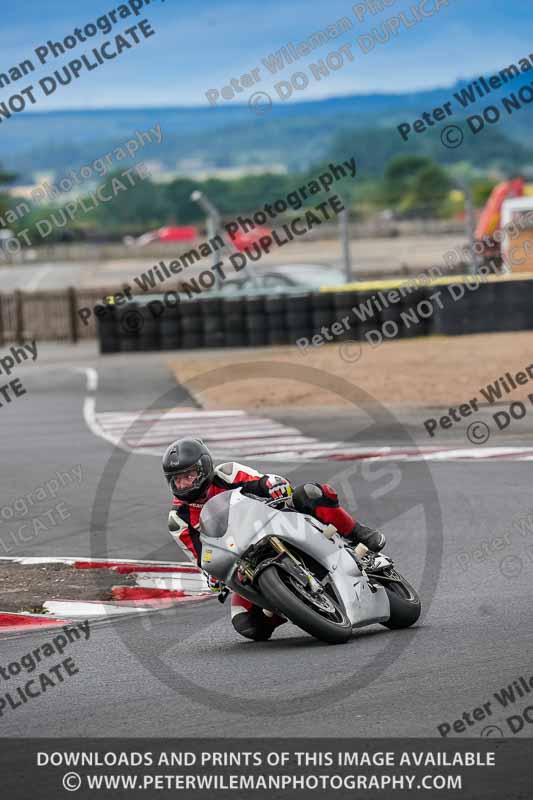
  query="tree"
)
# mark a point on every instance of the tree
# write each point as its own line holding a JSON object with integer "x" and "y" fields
{"x": 5, "y": 177}
{"x": 400, "y": 175}
{"x": 177, "y": 199}
{"x": 428, "y": 191}
{"x": 481, "y": 191}
{"x": 141, "y": 205}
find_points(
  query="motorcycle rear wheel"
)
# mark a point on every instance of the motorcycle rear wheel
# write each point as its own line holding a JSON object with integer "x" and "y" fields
{"x": 276, "y": 588}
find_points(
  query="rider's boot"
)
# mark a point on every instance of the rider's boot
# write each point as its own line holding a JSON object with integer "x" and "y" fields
{"x": 253, "y": 622}
{"x": 371, "y": 538}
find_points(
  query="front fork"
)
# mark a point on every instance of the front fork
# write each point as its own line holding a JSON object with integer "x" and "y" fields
{"x": 301, "y": 570}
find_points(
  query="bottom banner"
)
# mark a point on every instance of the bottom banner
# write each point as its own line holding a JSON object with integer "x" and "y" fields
{"x": 267, "y": 768}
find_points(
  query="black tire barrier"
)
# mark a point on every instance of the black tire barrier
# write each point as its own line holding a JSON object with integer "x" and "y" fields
{"x": 464, "y": 306}
{"x": 323, "y": 313}
{"x": 191, "y": 319}
{"x": 413, "y": 323}
{"x": 372, "y": 322}
{"x": 107, "y": 346}
{"x": 276, "y": 323}
{"x": 480, "y": 311}
{"x": 256, "y": 321}
{"x": 149, "y": 333}
{"x": 236, "y": 339}
{"x": 170, "y": 333}
{"x": 298, "y": 303}
{"x": 343, "y": 303}
{"x": 234, "y": 322}
{"x": 129, "y": 344}
{"x": 192, "y": 341}
{"x": 108, "y": 333}
{"x": 257, "y": 338}
{"x": 212, "y": 322}
{"x": 448, "y": 315}
{"x": 129, "y": 323}
{"x": 298, "y": 317}
{"x": 300, "y": 333}
{"x": 254, "y": 310}
{"x": 211, "y": 313}
{"x": 233, "y": 314}
{"x": 515, "y": 306}
{"x": 391, "y": 322}
{"x": 279, "y": 337}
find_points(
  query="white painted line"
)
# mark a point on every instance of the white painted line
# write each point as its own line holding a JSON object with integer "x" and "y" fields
{"x": 171, "y": 413}
{"x": 266, "y": 443}
{"x": 89, "y": 407}
{"x": 240, "y": 430}
{"x": 37, "y": 560}
{"x": 92, "y": 379}
{"x": 263, "y": 447}
{"x": 234, "y": 433}
{"x": 188, "y": 583}
{"x": 93, "y": 608}
{"x": 111, "y": 559}
{"x": 88, "y": 608}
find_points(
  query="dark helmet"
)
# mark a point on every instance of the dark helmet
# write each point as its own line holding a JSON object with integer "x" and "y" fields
{"x": 188, "y": 468}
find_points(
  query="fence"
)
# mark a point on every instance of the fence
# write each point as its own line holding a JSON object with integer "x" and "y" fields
{"x": 47, "y": 316}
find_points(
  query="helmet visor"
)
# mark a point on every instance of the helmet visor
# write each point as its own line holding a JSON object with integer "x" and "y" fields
{"x": 188, "y": 479}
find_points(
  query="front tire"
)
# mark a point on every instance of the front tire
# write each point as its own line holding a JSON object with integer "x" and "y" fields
{"x": 405, "y": 606}
{"x": 293, "y": 606}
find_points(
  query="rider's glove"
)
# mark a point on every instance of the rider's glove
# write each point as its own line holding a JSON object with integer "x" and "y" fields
{"x": 278, "y": 488}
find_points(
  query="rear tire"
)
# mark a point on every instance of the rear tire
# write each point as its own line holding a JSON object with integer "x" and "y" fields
{"x": 296, "y": 610}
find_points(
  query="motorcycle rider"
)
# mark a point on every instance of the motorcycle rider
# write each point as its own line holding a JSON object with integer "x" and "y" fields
{"x": 193, "y": 479}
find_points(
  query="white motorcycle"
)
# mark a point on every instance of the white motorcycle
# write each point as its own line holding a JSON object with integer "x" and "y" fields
{"x": 291, "y": 563}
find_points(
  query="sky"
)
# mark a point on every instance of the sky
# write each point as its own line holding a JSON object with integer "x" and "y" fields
{"x": 200, "y": 45}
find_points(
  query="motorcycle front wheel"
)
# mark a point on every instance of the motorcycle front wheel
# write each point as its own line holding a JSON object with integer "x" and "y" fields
{"x": 404, "y": 601}
{"x": 317, "y": 614}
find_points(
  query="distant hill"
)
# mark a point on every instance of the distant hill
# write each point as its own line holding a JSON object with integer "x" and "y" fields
{"x": 296, "y": 135}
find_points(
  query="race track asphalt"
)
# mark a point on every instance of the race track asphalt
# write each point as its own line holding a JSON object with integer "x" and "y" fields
{"x": 459, "y": 531}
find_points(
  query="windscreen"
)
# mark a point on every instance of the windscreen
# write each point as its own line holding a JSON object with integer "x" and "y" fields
{"x": 235, "y": 509}
{"x": 215, "y": 515}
